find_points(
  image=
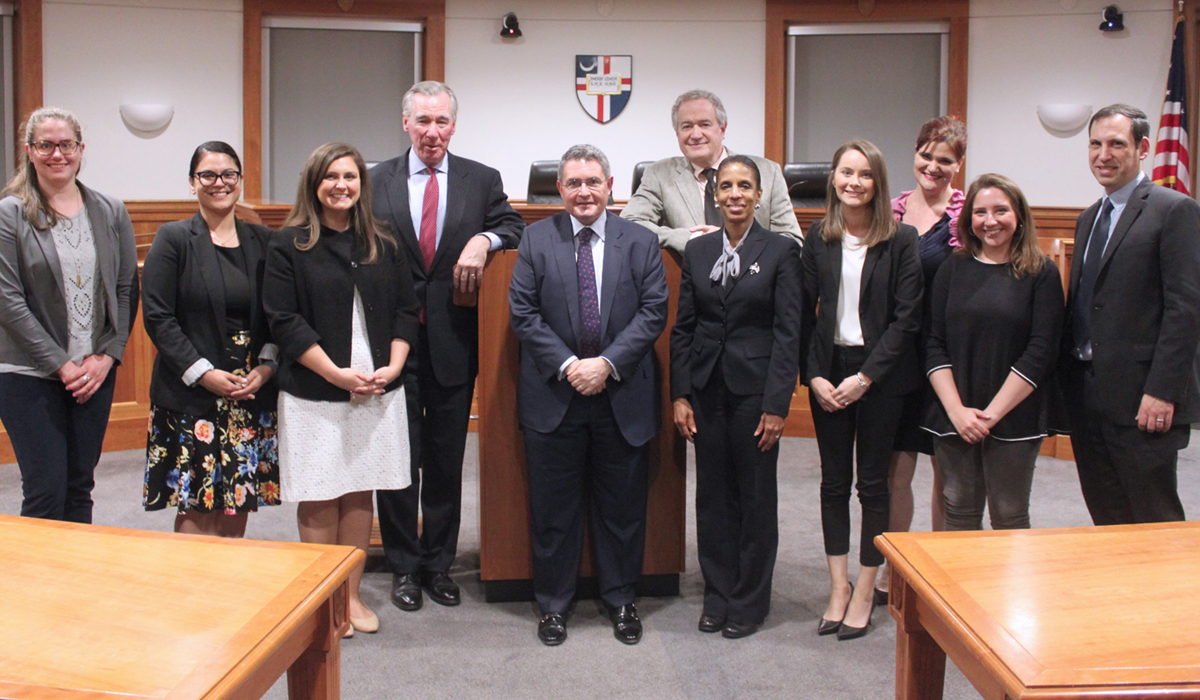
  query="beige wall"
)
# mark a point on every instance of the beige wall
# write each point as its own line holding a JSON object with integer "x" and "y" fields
{"x": 182, "y": 52}
{"x": 518, "y": 102}
{"x": 1029, "y": 52}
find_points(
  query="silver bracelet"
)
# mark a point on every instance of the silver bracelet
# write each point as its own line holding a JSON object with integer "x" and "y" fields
{"x": 859, "y": 377}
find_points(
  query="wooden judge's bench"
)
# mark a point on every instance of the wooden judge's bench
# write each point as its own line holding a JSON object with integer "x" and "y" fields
{"x": 505, "y": 564}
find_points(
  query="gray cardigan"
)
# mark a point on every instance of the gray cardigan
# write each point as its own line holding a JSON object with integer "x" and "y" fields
{"x": 33, "y": 311}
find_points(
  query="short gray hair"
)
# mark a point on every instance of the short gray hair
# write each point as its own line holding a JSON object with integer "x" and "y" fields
{"x": 429, "y": 88}
{"x": 585, "y": 152}
{"x": 722, "y": 118}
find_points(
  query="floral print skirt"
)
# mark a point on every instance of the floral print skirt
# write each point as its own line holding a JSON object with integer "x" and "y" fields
{"x": 224, "y": 462}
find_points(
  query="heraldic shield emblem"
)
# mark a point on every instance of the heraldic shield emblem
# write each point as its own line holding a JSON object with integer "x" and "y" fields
{"x": 603, "y": 84}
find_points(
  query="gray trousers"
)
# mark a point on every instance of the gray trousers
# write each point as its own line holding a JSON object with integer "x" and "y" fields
{"x": 994, "y": 472}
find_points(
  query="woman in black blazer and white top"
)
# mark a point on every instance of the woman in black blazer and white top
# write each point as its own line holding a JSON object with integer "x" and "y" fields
{"x": 211, "y": 449}
{"x": 340, "y": 301}
{"x": 733, "y": 372}
{"x": 862, "y": 315}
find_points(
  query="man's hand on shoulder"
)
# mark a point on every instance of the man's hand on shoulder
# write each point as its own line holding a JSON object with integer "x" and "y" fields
{"x": 703, "y": 229}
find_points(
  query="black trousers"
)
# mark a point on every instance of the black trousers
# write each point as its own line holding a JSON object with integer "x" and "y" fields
{"x": 438, "y": 418}
{"x": 737, "y": 505}
{"x": 57, "y": 443}
{"x": 1127, "y": 475}
{"x": 586, "y": 463}
{"x": 867, "y": 428}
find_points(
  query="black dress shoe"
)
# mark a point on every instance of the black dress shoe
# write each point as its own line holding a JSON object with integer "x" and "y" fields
{"x": 847, "y": 632}
{"x": 710, "y": 624}
{"x": 406, "y": 592}
{"x": 737, "y": 630}
{"x": 881, "y": 598}
{"x": 825, "y": 627}
{"x": 627, "y": 627}
{"x": 441, "y": 589}
{"x": 552, "y": 629}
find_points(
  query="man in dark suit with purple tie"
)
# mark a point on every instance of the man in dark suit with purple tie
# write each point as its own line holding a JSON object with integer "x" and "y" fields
{"x": 588, "y": 300}
{"x": 1131, "y": 373}
{"x": 447, "y": 213}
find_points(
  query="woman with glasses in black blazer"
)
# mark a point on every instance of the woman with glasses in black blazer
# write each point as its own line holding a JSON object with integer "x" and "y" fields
{"x": 211, "y": 449}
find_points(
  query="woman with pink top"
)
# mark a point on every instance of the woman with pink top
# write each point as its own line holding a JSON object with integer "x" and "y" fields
{"x": 932, "y": 208}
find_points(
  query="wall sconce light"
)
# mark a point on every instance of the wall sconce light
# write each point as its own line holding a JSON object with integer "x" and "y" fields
{"x": 147, "y": 120}
{"x": 1113, "y": 19}
{"x": 1064, "y": 119}
{"x": 509, "y": 27}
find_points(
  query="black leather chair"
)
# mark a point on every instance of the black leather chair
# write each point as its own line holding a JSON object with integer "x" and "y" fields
{"x": 543, "y": 174}
{"x": 806, "y": 183}
{"x": 543, "y": 183}
{"x": 637, "y": 175}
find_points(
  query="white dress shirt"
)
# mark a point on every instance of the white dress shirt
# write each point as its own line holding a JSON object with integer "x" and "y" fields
{"x": 418, "y": 180}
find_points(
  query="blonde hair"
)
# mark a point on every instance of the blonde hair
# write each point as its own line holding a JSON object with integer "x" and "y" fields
{"x": 883, "y": 225}
{"x": 306, "y": 212}
{"x": 1024, "y": 252}
{"x": 24, "y": 183}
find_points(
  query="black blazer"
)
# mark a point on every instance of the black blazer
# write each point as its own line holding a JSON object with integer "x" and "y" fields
{"x": 749, "y": 328}
{"x": 183, "y": 309}
{"x": 475, "y": 203}
{"x": 309, "y": 299}
{"x": 1146, "y": 305}
{"x": 889, "y": 309}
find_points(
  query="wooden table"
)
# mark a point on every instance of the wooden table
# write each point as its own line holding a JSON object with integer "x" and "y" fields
{"x": 1095, "y": 612}
{"x": 111, "y": 614}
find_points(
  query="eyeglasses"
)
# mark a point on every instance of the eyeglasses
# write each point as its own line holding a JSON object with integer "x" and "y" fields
{"x": 208, "y": 178}
{"x": 45, "y": 148}
{"x": 592, "y": 183}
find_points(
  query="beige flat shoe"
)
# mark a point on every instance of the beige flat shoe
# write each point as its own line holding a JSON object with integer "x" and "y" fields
{"x": 367, "y": 624}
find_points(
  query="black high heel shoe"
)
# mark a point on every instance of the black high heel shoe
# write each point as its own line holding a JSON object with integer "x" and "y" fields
{"x": 825, "y": 627}
{"x": 847, "y": 632}
{"x": 881, "y": 598}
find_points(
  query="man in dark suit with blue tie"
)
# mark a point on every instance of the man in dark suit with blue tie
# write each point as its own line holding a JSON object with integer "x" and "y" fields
{"x": 1131, "y": 374}
{"x": 447, "y": 213}
{"x": 588, "y": 301}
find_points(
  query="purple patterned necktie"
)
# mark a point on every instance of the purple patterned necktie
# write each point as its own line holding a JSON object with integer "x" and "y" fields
{"x": 589, "y": 304}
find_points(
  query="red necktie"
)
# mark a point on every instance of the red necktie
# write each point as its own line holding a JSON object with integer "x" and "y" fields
{"x": 429, "y": 211}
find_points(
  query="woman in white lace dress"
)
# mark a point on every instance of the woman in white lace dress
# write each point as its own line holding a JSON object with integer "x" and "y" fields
{"x": 339, "y": 298}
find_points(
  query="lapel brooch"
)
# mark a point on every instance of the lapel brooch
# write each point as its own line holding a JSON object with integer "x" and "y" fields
{"x": 754, "y": 269}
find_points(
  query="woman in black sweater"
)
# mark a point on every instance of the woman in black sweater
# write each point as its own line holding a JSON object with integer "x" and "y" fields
{"x": 997, "y": 315}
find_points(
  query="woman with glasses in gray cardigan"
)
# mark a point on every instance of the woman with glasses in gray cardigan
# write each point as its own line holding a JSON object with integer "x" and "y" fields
{"x": 68, "y": 297}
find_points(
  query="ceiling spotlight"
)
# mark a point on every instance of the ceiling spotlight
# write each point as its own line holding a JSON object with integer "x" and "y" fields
{"x": 1113, "y": 19}
{"x": 509, "y": 27}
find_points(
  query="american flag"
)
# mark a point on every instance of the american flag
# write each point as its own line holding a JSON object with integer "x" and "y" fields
{"x": 1171, "y": 151}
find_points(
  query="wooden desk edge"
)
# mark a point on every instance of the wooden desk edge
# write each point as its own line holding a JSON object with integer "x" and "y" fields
{"x": 917, "y": 608}
{"x": 316, "y": 623}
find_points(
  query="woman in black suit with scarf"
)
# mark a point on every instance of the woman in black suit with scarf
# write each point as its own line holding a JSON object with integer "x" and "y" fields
{"x": 733, "y": 372}
{"x": 211, "y": 450}
{"x": 862, "y": 314}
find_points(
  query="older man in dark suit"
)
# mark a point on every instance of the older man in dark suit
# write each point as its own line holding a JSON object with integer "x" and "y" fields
{"x": 588, "y": 300}
{"x": 448, "y": 213}
{"x": 1131, "y": 374}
